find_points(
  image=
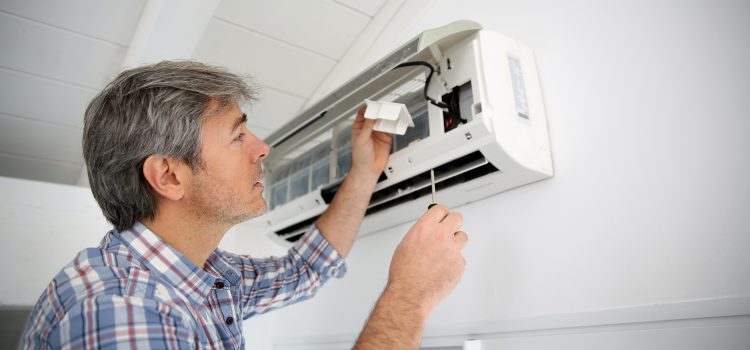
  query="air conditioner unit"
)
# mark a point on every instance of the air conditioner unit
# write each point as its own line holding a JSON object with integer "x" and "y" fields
{"x": 485, "y": 133}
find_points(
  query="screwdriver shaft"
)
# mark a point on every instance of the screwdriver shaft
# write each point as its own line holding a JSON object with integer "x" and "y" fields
{"x": 432, "y": 179}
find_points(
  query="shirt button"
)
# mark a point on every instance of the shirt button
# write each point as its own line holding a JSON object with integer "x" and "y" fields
{"x": 229, "y": 320}
{"x": 219, "y": 284}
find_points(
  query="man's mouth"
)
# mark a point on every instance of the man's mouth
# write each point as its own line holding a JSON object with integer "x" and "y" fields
{"x": 260, "y": 181}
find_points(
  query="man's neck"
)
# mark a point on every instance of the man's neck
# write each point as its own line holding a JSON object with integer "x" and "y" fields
{"x": 195, "y": 240}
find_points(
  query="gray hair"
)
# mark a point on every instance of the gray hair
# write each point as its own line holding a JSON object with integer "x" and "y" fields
{"x": 159, "y": 110}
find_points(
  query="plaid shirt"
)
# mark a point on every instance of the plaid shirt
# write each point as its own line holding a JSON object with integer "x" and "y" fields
{"x": 136, "y": 292}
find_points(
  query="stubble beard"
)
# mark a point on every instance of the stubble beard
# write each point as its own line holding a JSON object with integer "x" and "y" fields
{"x": 220, "y": 204}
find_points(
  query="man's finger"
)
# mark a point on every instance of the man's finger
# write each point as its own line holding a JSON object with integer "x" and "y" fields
{"x": 382, "y": 137}
{"x": 462, "y": 237}
{"x": 436, "y": 214}
{"x": 453, "y": 221}
{"x": 366, "y": 131}
{"x": 360, "y": 116}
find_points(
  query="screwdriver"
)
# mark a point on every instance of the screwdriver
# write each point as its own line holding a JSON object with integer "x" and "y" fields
{"x": 432, "y": 180}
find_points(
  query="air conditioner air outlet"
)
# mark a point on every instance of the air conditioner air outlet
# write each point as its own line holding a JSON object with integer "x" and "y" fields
{"x": 294, "y": 232}
{"x": 455, "y": 172}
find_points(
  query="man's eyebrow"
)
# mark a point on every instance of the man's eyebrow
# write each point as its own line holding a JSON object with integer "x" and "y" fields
{"x": 240, "y": 121}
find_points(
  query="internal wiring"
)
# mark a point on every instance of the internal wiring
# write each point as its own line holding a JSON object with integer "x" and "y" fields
{"x": 427, "y": 81}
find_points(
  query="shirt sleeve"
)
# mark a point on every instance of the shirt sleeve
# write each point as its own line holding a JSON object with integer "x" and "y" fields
{"x": 274, "y": 282}
{"x": 113, "y": 322}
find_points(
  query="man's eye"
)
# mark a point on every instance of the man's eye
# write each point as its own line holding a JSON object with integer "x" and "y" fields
{"x": 240, "y": 137}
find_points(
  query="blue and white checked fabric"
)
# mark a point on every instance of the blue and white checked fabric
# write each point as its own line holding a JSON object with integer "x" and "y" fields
{"x": 136, "y": 292}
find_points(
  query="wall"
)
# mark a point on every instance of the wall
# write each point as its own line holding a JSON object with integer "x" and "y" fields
{"x": 43, "y": 226}
{"x": 647, "y": 111}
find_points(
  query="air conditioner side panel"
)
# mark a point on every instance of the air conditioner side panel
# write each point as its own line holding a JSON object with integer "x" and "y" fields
{"x": 512, "y": 100}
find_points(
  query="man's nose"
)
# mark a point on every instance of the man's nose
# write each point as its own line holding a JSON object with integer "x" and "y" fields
{"x": 261, "y": 151}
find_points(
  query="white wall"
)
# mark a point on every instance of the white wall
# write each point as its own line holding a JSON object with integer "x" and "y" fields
{"x": 43, "y": 226}
{"x": 647, "y": 105}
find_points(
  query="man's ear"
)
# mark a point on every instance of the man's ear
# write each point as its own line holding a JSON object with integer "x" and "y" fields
{"x": 165, "y": 176}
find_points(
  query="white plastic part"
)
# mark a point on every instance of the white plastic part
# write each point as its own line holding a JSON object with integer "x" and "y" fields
{"x": 392, "y": 117}
{"x": 472, "y": 345}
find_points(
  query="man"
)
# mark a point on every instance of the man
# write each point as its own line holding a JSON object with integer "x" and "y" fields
{"x": 174, "y": 167}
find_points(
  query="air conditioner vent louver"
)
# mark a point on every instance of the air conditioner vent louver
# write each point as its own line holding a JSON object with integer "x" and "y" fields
{"x": 455, "y": 172}
{"x": 294, "y": 232}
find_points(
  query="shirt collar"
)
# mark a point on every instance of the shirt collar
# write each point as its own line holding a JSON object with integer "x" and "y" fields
{"x": 159, "y": 257}
{"x": 218, "y": 262}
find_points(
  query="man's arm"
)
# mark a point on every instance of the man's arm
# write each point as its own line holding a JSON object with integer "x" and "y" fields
{"x": 425, "y": 268}
{"x": 273, "y": 282}
{"x": 370, "y": 149}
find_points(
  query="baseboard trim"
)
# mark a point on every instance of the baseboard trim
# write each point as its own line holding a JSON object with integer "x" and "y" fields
{"x": 694, "y": 314}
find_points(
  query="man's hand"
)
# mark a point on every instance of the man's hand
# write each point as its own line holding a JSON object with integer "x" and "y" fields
{"x": 425, "y": 268}
{"x": 428, "y": 261}
{"x": 370, "y": 148}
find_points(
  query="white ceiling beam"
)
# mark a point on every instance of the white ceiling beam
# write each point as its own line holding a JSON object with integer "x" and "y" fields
{"x": 167, "y": 29}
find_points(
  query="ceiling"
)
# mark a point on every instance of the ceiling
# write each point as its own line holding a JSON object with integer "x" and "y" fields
{"x": 57, "y": 55}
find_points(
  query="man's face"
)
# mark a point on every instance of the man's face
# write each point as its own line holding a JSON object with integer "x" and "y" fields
{"x": 227, "y": 189}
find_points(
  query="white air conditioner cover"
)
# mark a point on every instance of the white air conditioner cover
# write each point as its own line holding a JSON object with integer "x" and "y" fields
{"x": 494, "y": 138}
